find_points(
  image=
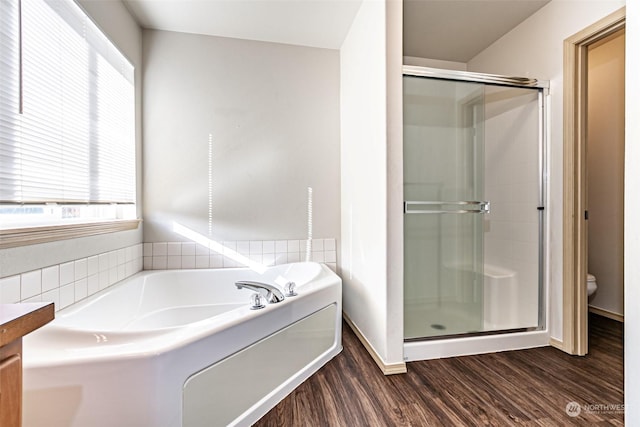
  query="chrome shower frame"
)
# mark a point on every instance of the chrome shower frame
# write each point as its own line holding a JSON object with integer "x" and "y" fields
{"x": 501, "y": 337}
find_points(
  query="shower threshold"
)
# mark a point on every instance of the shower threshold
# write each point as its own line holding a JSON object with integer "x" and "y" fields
{"x": 471, "y": 334}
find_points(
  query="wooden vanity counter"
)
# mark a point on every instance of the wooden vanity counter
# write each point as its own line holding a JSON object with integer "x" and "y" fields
{"x": 16, "y": 321}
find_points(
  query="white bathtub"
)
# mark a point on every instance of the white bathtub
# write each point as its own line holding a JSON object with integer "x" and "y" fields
{"x": 181, "y": 348}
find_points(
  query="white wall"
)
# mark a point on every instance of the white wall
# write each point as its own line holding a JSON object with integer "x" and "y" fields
{"x": 434, "y": 63}
{"x": 605, "y": 172}
{"x": 364, "y": 174}
{"x": 535, "y": 49}
{"x": 114, "y": 19}
{"x": 371, "y": 117}
{"x": 272, "y": 111}
{"x": 395, "y": 183}
{"x": 631, "y": 222}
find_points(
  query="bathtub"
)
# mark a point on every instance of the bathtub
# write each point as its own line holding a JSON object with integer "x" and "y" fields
{"x": 181, "y": 348}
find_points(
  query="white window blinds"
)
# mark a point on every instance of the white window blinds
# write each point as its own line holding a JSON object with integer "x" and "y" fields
{"x": 67, "y": 120}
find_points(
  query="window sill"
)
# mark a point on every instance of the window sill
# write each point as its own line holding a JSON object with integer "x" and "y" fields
{"x": 34, "y": 235}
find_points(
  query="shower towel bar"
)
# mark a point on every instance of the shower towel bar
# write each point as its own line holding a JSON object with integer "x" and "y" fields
{"x": 481, "y": 207}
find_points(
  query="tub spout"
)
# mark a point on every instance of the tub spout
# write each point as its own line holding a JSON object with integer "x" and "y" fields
{"x": 270, "y": 292}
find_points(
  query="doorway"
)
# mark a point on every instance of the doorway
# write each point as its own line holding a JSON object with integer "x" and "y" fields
{"x": 605, "y": 174}
{"x": 575, "y": 212}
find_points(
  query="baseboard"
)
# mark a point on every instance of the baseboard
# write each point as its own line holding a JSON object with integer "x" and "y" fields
{"x": 386, "y": 368}
{"x": 556, "y": 343}
{"x": 606, "y": 313}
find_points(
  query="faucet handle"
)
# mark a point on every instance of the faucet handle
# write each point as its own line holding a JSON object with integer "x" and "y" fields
{"x": 256, "y": 301}
{"x": 290, "y": 289}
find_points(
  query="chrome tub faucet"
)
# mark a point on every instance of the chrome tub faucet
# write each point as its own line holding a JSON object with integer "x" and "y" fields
{"x": 272, "y": 293}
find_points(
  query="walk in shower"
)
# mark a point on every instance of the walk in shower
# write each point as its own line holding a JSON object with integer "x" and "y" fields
{"x": 474, "y": 163}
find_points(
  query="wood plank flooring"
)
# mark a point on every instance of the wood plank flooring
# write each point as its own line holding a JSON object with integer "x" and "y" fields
{"x": 515, "y": 388}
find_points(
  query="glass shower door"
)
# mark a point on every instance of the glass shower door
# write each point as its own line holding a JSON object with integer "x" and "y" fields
{"x": 444, "y": 207}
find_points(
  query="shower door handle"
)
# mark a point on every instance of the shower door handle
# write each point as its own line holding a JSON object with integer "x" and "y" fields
{"x": 428, "y": 207}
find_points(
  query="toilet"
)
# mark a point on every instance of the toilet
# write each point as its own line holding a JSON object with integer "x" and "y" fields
{"x": 592, "y": 286}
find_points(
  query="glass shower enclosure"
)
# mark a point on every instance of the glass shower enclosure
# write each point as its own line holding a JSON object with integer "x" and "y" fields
{"x": 473, "y": 204}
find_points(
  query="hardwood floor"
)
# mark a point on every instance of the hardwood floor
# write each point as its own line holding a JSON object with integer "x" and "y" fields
{"x": 516, "y": 388}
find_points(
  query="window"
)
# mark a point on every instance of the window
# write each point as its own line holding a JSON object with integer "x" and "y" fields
{"x": 67, "y": 119}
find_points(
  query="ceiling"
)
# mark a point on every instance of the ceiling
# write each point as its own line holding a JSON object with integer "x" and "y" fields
{"x": 315, "y": 23}
{"x": 452, "y": 30}
{"x": 457, "y": 30}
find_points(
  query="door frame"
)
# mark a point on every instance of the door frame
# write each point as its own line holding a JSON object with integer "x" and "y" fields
{"x": 574, "y": 294}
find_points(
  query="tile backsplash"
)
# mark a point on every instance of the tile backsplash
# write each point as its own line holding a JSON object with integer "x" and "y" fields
{"x": 179, "y": 255}
{"x": 73, "y": 281}
{"x": 70, "y": 282}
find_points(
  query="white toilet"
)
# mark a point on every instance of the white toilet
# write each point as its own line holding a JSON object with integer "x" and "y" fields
{"x": 592, "y": 286}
